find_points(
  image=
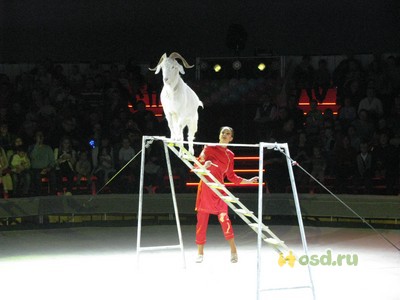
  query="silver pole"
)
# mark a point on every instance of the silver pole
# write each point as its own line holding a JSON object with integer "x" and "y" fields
{"x": 171, "y": 182}
{"x": 298, "y": 212}
{"x": 163, "y": 138}
{"x": 260, "y": 223}
{"x": 141, "y": 183}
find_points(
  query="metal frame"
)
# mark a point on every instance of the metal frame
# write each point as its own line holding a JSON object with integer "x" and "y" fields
{"x": 139, "y": 248}
{"x": 279, "y": 147}
{"x": 283, "y": 148}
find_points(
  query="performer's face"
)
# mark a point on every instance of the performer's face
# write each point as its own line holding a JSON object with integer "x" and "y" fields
{"x": 225, "y": 136}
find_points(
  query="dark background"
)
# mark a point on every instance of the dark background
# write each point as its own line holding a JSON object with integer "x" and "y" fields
{"x": 117, "y": 30}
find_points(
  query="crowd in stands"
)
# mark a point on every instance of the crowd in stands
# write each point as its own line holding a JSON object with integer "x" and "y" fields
{"x": 60, "y": 132}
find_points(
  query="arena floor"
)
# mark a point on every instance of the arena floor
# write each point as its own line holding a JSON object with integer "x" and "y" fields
{"x": 101, "y": 263}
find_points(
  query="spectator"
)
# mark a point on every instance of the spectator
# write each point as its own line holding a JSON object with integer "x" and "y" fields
{"x": 303, "y": 77}
{"x": 114, "y": 105}
{"x": 376, "y": 76}
{"x": 92, "y": 97}
{"x": 322, "y": 80}
{"x": 6, "y": 138}
{"x": 116, "y": 130}
{"x": 355, "y": 140}
{"x": 135, "y": 139}
{"x": 393, "y": 120}
{"x": 301, "y": 153}
{"x": 354, "y": 91}
{"x": 83, "y": 168}
{"x": 142, "y": 117}
{"x": 105, "y": 165}
{"x": 76, "y": 80}
{"x": 18, "y": 142}
{"x": 347, "y": 112}
{"x": 65, "y": 100}
{"x": 295, "y": 112}
{"x": 5, "y": 177}
{"x": 327, "y": 144}
{"x": 364, "y": 172}
{"x": 65, "y": 157}
{"x": 126, "y": 152}
{"x": 42, "y": 165}
{"x": 314, "y": 120}
{"x": 364, "y": 127}
{"x": 392, "y": 75}
{"x": 43, "y": 77}
{"x": 131, "y": 173}
{"x": 20, "y": 168}
{"x": 345, "y": 157}
{"x": 386, "y": 157}
{"x": 371, "y": 104}
{"x": 286, "y": 134}
{"x": 154, "y": 174}
{"x": 328, "y": 118}
{"x": 266, "y": 114}
{"x": 347, "y": 71}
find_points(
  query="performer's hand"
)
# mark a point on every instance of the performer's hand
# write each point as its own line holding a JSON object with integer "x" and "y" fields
{"x": 253, "y": 180}
{"x": 209, "y": 163}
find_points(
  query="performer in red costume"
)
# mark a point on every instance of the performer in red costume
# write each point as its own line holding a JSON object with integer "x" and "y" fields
{"x": 219, "y": 161}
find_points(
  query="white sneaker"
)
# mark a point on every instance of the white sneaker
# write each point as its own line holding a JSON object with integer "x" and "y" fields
{"x": 234, "y": 258}
{"x": 199, "y": 258}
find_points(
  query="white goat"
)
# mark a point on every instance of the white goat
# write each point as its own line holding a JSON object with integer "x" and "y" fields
{"x": 180, "y": 102}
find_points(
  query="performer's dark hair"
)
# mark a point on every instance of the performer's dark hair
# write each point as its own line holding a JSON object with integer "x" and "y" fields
{"x": 230, "y": 129}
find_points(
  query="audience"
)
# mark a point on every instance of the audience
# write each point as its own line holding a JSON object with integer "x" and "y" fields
{"x": 91, "y": 132}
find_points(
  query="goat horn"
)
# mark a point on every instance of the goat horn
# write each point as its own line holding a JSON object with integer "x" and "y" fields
{"x": 177, "y": 55}
{"x": 161, "y": 60}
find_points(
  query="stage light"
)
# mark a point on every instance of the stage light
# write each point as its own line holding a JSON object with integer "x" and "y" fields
{"x": 261, "y": 66}
{"x": 217, "y": 68}
{"x": 236, "y": 65}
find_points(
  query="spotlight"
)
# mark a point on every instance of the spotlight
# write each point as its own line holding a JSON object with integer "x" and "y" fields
{"x": 217, "y": 68}
{"x": 236, "y": 65}
{"x": 261, "y": 66}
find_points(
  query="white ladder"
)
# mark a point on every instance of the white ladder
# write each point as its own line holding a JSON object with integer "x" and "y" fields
{"x": 233, "y": 202}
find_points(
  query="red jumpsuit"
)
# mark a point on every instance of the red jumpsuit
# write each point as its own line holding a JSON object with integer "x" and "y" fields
{"x": 207, "y": 201}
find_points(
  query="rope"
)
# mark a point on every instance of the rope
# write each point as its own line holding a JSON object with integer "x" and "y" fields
{"x": 149, "y": 142}
{"x": 294, "y": 163}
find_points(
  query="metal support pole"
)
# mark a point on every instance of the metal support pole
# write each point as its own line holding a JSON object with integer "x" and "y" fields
{"x": 171, "y": 182}
{"x": 260, "y": 212}
{"x": 139, "y": 249}
{"x": 298, "y": 213}
{"x": 140, "y": 209}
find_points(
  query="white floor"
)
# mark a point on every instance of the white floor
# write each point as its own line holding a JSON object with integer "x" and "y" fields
{"x": 101, "y": 263}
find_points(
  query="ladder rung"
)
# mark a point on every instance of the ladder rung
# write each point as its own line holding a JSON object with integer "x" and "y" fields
{"x": 255, "y": 226}
{"x": 274, "y": 242}
{"x": 187, "y": 156}
{"x": 201, "y": 171}
{"x": 215, "y": 185}
{"x": 230, "y": 199}
{"x": 244, "y": 212}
